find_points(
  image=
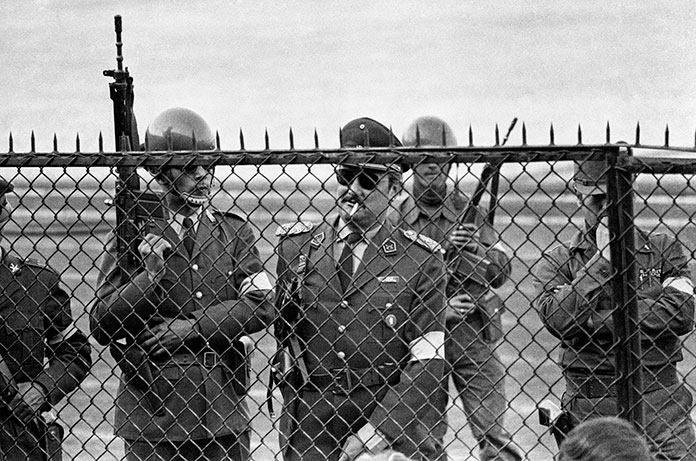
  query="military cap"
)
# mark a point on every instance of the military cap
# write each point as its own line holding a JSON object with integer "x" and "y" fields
{"x": 590, "y": 177}
{"x": 5, "y": 186}
{"x": 366, "y": 132}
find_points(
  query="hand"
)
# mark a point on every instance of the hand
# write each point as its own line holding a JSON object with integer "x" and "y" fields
{"x": 28, "y": 401}
{"x": 603, "y": 238}
{"x": 152, "y": 250}
{"x": 352, "y": 448}
{"x": 166, "y": 336}
{"x": 461, "y": 305}
{"x": 464, "y": 237}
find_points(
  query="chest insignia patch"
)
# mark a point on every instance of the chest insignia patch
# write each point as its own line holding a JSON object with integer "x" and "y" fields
{"x": 649, "y": 275}
{"x": 317, "y": 240}
{"x": 301, "y": 265}
{"x": 14, "y": 268}
{"x": 390, "y": 320}
{"x": 389, "y": 247}
{"x": 388, "y": 279}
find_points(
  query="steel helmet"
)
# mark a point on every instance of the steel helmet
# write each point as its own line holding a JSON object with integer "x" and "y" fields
{"x": 177, "y": 129}
{"x": 429, "y": 131}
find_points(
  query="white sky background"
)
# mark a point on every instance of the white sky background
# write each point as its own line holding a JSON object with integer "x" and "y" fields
{"x": 275, "y": 65}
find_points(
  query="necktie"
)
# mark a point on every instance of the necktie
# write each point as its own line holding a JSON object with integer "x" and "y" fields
{"x": 345, "y": 261}
{"x": 189, "y": 235}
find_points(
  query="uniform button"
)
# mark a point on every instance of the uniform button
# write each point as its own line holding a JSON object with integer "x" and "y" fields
{"x": 341, "y": 328}
{"x": 341, "y": 355}
{"x": 388, "y": 305}
{"x": 344, "y": 304}
{"x": 194, "y": 267}
{"x": 199, "y": 295}
{"x": 229, "y": 272}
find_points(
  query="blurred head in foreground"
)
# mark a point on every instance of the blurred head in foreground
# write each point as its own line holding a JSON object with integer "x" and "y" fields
{"x": 604, "y": 439}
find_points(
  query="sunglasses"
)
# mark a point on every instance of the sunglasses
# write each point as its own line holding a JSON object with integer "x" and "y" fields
{"x": 367, "y": 179}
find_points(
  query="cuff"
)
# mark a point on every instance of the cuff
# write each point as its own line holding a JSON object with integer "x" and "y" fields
{"x": 371, "y": 437}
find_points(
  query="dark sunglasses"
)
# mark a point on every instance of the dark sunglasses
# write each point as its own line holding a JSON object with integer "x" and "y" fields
{"x": 367, "y": 179}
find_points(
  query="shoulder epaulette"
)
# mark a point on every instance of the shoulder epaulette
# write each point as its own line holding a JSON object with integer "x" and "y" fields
{"x": 423, "y": 241}
{"x": 227, "y": 213}
{"x": 288, "y": 229}
{"x": 35, "y": 262}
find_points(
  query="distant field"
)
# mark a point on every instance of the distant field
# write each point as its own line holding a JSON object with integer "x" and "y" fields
{"x": 530, "y": 220}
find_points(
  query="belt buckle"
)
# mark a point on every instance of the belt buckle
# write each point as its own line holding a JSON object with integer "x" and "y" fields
{"x": 209, "y": 359}
{"x": 343, "y": 382}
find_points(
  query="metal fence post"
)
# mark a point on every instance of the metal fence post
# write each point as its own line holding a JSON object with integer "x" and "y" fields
{"x": 626, "y": 322}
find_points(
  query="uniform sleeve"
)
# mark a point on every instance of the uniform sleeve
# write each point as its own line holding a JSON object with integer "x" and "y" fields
{"x": 222, "y": 323}
{"x": 126, "y": 299}
{"x": 563, "y": 300}
{"x": 670, "y": 306}
{"x": 67, "y": 349}
{"x": 405, "y": 416}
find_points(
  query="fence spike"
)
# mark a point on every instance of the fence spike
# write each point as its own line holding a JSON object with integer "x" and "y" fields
{"x": 340, "y": 136}
{"x": 552, "y": 136}
{"x": 417, "y": 135}
{"x": 292, "y": 139}
{"x": 391, "y": 136}
{"x": 101, "y": 143}
{"x": 11, "y": 143}
{"x": 77, "y": 142}
{"x": 170, "y": 140}
{"x": 497, "y": 135}
{"x": 147, "y": 141}
{"x": 33, "y": 142}
{"x": 524, "y": 134}
{"x": 637, "y": 133}
{"x": 241, "y": 140}
{"x": 367, "y": 137}
{"x": 267, "y": 142}
{"x": 579, "y": 134}
{"x": 444, "y": 135}
{"x": 316, "y": 139}
{"x": 667, "y": 135}
{"x": 608, "y": 133}
{"x": 694, "y": 138}
{"x": 55, "y": 143}
{"x": 217, "y": 140}
{"x": 193, "y": 139}
{"x": 471, "y": 136}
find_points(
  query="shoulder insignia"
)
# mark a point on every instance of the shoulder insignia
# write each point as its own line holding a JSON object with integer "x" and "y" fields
{"x": 318, "y": 239}
{"x": 423, "y": 241}
{"x": 288, "y": 229}
{"x": 212, "y": 211}
{"x": 35, "y": 262}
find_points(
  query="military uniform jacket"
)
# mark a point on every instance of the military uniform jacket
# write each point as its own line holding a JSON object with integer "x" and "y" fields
{"x": 490, "y": 259}
{"x": 573, "y": 289}
{"x": 224, "y": 289}
{"x": 392, "y": 313}
{"x": 37, "y": 328}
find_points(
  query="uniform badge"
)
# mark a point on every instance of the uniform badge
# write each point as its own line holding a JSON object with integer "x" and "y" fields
{"x": 390, "y": 320}
{"x": 388, "y": 279}
{"x": 389, "y": 247}
{"x": 14, "y": 268}
{"x": 317, "y": 240}
{"x": 301, "y": 264}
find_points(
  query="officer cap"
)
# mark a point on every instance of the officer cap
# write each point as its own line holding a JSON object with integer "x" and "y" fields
{"x": 590, "y": 177}
{"x": 366, "y": 132}
{"x": 429, "y": 131}
{"x": 5, "y": 187}
{"x": 176, "y": 128}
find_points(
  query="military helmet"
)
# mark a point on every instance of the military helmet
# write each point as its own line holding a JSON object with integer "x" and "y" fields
{"x": 366, "y": 132}
{"x": 590, "y": 177}
{"x": 177, "y": 129}
{"x": 429, "y": 131}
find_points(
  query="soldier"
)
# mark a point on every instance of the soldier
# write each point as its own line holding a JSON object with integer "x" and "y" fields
{"x": 360, "y": 321}
{"x": 473, "y": 311}
{"x": 573, "y": 289}
{"x": 175, "y": 324}
{"x": 43, "y": 355}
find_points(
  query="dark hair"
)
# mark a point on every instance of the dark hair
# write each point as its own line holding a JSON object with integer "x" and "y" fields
{"x": 604, "y": 439}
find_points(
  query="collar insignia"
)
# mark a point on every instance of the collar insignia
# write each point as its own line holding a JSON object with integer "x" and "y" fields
{"x": 14, "y": 268}
{"x": 389, "y": 247}
{"x": 317, "y": 240}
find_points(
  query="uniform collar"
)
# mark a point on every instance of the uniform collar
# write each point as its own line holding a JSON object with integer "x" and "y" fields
{"x": 581, "y": 241}
{"x": 451, "y": 208}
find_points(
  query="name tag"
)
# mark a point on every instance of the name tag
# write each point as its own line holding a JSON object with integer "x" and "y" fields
{"x": 389, "y": 279}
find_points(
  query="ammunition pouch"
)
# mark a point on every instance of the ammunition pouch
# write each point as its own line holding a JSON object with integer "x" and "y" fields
{"x": 490, "y": 307}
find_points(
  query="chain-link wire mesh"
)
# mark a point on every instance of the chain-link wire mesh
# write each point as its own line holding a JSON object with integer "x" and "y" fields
{"x": 366, "y": 348}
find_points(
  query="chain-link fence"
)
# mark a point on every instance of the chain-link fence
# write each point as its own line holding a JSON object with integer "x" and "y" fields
{"x": 375, "y": 339}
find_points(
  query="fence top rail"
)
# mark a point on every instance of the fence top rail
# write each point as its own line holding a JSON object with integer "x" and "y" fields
{"x": 408, "y": 155}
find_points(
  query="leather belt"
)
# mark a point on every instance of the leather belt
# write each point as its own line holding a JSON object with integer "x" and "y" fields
{"x": 343, "y": 381}
{"x": 207, "y": 358}
{"x": 596, "y": 386}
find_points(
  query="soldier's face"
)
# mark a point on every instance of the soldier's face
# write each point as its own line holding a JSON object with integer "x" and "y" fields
{"x": 363, "y": 196}
{"x": 431, "y": 174}
{"x": 593, "y": 208}
{"x": 191, "y": 182}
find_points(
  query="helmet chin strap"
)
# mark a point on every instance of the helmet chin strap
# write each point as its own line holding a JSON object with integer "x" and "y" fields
{"x": 190, "y": 199}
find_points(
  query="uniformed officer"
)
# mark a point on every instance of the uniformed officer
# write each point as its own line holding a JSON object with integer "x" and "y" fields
{"x": 175, "y": 325}
{"x": 573, "y": 291}
{"x": 361, "y": 307}
{"x": 473, "y": 315}
{"x": 43, "y": 355}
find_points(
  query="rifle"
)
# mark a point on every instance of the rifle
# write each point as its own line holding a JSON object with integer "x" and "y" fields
{"x": 134, "y": 211}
